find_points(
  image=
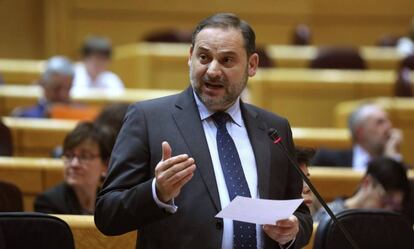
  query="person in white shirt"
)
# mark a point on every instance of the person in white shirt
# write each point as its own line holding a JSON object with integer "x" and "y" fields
{"x": 405, "y": 45}
{"x": 92, "y": 72}
{"x": 373, "y": 136}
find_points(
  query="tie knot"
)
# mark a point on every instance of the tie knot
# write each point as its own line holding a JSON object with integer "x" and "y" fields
{"x": 221, "y": 118}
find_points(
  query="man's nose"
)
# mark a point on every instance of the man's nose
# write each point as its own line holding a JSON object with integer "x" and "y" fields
{"x": 214, "y": 70}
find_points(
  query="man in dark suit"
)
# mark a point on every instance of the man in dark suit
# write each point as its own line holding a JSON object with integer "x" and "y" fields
{"x": 179, "y": 160}
{"x": 373, "y": 136}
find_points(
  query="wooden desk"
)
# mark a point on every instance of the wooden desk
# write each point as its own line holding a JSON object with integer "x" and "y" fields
{"x": 31, "y": 175}
{"x": 400, "y": 111}
{"x": 332, "y": 182}
{"x": 321, "y": 137}
{"x": 12, "y": 96}
{"x": 35, "y": 175}
{"x": 20, "y": 71}
{"x": 29, "y": 134}
{"x": 164, "y": 65}
{"x": 87, "y": 236}
{"x": 308, "y": 97}
{"x": 37, "y": 137}
{"x": 288, "y": 56}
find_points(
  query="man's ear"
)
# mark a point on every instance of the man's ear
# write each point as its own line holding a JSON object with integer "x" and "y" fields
{"x": 189, "y": 58}
{"x": 253, "y": 64}
{"x": 368, "y": 180}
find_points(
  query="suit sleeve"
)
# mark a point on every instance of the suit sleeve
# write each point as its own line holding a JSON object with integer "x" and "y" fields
{"x": 125, "y": 202}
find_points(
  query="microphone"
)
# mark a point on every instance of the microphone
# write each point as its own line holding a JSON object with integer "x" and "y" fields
{"x": 278, "y": 141}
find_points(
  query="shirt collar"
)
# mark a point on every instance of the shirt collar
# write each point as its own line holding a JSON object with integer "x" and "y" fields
{"x": 234, "y": 110}
{"x": 361, "y": 158}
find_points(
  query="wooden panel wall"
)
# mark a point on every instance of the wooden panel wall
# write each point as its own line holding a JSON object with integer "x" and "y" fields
{"x": 21, "y": 29}
{"x": 46, "y": 27}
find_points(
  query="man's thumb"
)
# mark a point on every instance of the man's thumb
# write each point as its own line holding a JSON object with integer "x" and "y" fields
{"x": 166, "y": 151}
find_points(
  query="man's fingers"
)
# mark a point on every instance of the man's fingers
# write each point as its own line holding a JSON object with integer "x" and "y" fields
{"x": 181, "y": 178}
{"x": 284, "y": 223}
{"x": 177, "y": 173}
{"x": 184, "y": 180}
{"x": 166, "y": 151}
{"x": 165, "y": 165}
{"x": 171, "y": 187}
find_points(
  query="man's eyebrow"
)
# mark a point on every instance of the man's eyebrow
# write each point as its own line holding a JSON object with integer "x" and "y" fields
{"x": 228, "y": 53}
{"x": 203, "y": 48}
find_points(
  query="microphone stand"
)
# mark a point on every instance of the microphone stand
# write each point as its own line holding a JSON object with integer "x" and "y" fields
{"x": 277, "y": 140}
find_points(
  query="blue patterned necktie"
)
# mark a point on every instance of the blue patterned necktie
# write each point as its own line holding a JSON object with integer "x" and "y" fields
{"x": 244, "y": 234}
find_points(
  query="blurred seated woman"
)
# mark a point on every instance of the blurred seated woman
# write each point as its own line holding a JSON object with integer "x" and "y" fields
{"x": 86, "y": 153}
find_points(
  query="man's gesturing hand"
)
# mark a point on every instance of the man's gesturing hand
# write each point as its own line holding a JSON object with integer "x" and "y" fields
{"x": 172, "y": 173}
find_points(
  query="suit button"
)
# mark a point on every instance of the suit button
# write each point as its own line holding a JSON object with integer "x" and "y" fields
{"x": 219, "y": 225}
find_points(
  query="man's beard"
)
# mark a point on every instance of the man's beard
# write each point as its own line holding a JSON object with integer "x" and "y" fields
{"x": 232, "y": 92}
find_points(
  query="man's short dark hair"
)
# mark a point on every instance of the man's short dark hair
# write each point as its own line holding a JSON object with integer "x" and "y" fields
{"x": 392, "y": 175}
{"x": 304, "y": 155}
{"x": 225, "y": 21}
{"x": 96, "y": 45}
{"x": 112, "y": 117}
{"x": 89, "y": 131}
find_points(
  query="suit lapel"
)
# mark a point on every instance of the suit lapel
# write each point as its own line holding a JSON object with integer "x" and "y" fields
{"x": 259, "y": 140}
{"x": 188, "y": 120}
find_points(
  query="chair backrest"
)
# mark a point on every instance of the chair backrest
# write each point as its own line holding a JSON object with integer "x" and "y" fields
{"x": 34, "y": 230}
{"x": 388, "y": 40}
{"x": 338, "y": 58}
{"x": 369, "y": 228}
{"x": 408, "y": 62}
{"x": 264, "y": 59}
{"x": 11, "y": 198}
{"x": 6, "y": 141}
{"x": 408, "y": 207}
{"x": 73, "y": 112}
{"x": 169, "y": 36}
{"x": 403, "y": 86}
{"x": 301, "y": 35}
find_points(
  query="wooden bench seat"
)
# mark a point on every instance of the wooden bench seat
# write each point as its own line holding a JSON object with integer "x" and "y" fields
{"x": 31, "y": 175}
{"x": 12, "y": 96}
{"x": 35, "y": 175}
{"x": 87, "y": 236}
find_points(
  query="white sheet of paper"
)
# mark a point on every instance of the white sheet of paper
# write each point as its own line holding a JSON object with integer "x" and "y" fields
{"x": 259, "y": 211}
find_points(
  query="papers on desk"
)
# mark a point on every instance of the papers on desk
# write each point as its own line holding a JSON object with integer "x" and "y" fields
{"x": 259, "y": 211}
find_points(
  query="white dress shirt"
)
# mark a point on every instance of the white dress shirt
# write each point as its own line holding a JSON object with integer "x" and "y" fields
{"x": 360, "y": 158}
{"x": 104, "y": 81}
{"x": 238, "y": 132}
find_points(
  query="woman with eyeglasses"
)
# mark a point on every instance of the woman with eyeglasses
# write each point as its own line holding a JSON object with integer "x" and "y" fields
{"x": 86, "y": 153}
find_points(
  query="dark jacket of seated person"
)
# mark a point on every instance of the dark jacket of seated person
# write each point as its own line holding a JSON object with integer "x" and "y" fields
{"x": 86, "y": 152}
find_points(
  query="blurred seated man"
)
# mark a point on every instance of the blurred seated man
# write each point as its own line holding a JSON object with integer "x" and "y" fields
{"x": 405, "y": 45}
{"x": 372, "y": 135}
{"x": 86, "y": 153}
{"x": 56, "y": 83}
{"x": 384, "y": 186}
{"x": 92, "y": 72}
